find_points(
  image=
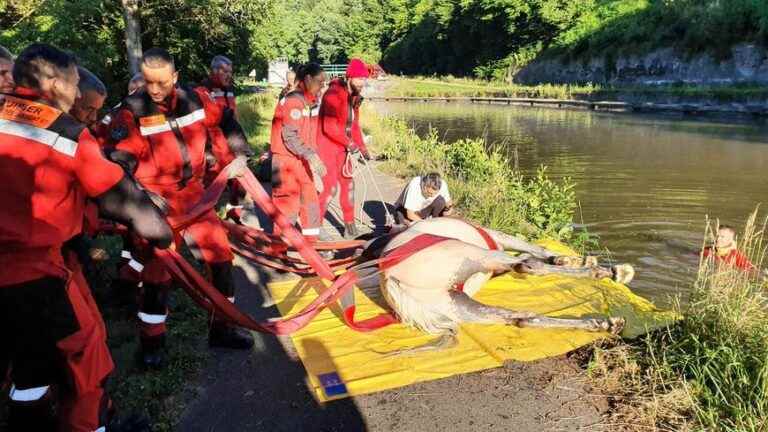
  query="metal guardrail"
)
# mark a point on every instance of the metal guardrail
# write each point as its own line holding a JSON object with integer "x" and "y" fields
{"x": 334, "y": 70}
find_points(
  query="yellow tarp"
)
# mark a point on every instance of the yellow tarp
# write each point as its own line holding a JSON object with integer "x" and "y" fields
{"x": 326, "y": 345}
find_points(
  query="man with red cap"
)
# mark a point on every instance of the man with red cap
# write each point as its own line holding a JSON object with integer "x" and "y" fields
{"x": 340, "y": 139}
{"x": 161, "y": 133}
{"x": 49, "y": 323}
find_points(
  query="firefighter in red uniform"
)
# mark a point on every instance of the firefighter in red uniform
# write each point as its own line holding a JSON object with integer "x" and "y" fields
{"x": 295, "y": 162}
{"x": 219, "y": 85}
{"x": 49, "y": 323}
{"x": 340, "y": 138}
{"x": 161, "y": 135}
{"x": 87, "y": 105}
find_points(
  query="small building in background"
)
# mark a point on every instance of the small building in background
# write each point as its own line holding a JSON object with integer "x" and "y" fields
{"x": 276, "y": 72}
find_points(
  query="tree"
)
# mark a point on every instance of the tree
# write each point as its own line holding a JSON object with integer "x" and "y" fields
{"x": 132, "y": 34}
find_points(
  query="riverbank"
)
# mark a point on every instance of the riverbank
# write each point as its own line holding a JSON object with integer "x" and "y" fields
{"x": 744, "y": 100}
{"x": 705, "y": 372}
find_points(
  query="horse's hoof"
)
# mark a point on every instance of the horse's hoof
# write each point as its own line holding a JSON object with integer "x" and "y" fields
{"x": 568, "y": 261}
{"x": 590, "y": 261}
{"x": 623, "y": 273}
{"x": 616, "y": 325}
{"x": 98, "y": 254}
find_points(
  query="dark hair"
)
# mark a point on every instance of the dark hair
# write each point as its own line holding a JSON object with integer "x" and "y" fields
{"x": 220, "y": 61}
{"x": 5, "y": 54}
{"x": 431, "y": 180}
{"x": 39, "y": 61}
{"x": 90, "y": 82}
{"x": 726, "y": 227}
{"x": 309, "y": 69}
{"x": 157, "y": 57}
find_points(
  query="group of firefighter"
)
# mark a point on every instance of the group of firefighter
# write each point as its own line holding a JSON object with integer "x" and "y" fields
{"x": 65, "y": 172}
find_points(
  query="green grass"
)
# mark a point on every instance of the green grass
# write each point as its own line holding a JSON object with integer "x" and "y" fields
{"x": 465, "y": 87}
{"x": 710, "y": 370}
{"x": 255, "y": 112}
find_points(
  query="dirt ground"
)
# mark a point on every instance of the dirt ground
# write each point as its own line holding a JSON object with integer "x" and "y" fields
{"x": 266, "y": 389}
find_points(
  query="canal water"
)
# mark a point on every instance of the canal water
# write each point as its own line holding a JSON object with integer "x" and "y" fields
{"x": 645, "y": 183}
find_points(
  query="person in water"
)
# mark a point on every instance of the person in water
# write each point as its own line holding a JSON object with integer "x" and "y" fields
{"x": 725, "y": 250}
{"x": 424, "y": 197}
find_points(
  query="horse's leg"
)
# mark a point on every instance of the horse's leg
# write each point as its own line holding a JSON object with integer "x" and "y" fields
{"x": 622, "y": 273}
{"x": 472, "y": 311}
{"x": 512, "y": 243}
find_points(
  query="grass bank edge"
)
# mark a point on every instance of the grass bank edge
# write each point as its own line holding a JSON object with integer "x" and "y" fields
{"x": 467, "y": 87}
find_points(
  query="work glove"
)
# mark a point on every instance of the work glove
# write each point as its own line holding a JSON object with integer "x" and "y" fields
{"x": 316, "y": 165}
{"x": 237, "y": 167}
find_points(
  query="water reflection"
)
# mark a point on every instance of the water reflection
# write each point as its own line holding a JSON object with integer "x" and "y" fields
{"x": 645, "y": 183}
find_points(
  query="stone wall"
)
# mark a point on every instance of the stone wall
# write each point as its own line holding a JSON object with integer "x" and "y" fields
{"x": 747, "y": 64}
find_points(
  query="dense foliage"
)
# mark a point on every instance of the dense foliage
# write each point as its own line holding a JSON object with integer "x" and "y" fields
{"x": 192, "y": 30}
{"x": 488, "y": 39}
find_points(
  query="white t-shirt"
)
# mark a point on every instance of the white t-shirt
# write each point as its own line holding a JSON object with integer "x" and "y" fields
{"x": 412, "y": 198}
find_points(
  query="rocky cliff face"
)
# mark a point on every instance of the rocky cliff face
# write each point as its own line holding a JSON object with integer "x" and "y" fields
{"x": 747, "y": 64}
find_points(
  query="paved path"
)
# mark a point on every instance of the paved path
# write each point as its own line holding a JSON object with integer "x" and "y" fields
{"x": 265, "y": 389}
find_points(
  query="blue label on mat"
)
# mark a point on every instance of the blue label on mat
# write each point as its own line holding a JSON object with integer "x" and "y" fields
{"x": 332, "y": 384}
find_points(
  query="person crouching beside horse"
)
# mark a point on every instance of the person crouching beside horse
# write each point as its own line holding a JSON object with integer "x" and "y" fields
{"x": 424, "y": 197}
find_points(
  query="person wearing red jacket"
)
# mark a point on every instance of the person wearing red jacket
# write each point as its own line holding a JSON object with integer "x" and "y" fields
{"x": 49, "y": 323}
{"x": 219, "y": 85}
{"x": 725, "y": 251}
{"x": 339, "y": 140}
{"x": 295, "y": 162}
{"x": 87, "y": 105}
{"x": 161, "y": 133}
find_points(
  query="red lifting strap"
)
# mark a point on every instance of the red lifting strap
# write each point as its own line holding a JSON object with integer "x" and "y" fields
{"x": 388, "y": 260}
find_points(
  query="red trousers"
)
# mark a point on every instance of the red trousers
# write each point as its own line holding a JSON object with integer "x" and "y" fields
{"x": 207, "y": 240}
{"x": 294, "y": 194}
{"x": 56, "y": 336}
{"x": 335, "y": 159}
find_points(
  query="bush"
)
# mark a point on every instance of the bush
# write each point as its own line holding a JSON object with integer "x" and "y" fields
{"x": 482, "y": 181}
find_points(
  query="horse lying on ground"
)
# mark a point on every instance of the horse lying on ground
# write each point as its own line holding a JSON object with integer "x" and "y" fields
{"x": 432, "y": 289}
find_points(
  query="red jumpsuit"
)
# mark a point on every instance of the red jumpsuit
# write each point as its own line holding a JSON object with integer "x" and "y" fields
{"x": 225, "y": 99}
{"x": 168, "y": 143}
{"x": 292, "y": 143}
{"x": 49, "y": 164}
{"x": 339, "y": 133}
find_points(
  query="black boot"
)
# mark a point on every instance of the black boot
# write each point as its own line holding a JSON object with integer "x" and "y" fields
{"x": 223, "y": 335}
{"x": 350, "y": 230}
{"x": 152, "y": 352}
{"x": 37, "y": 415}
